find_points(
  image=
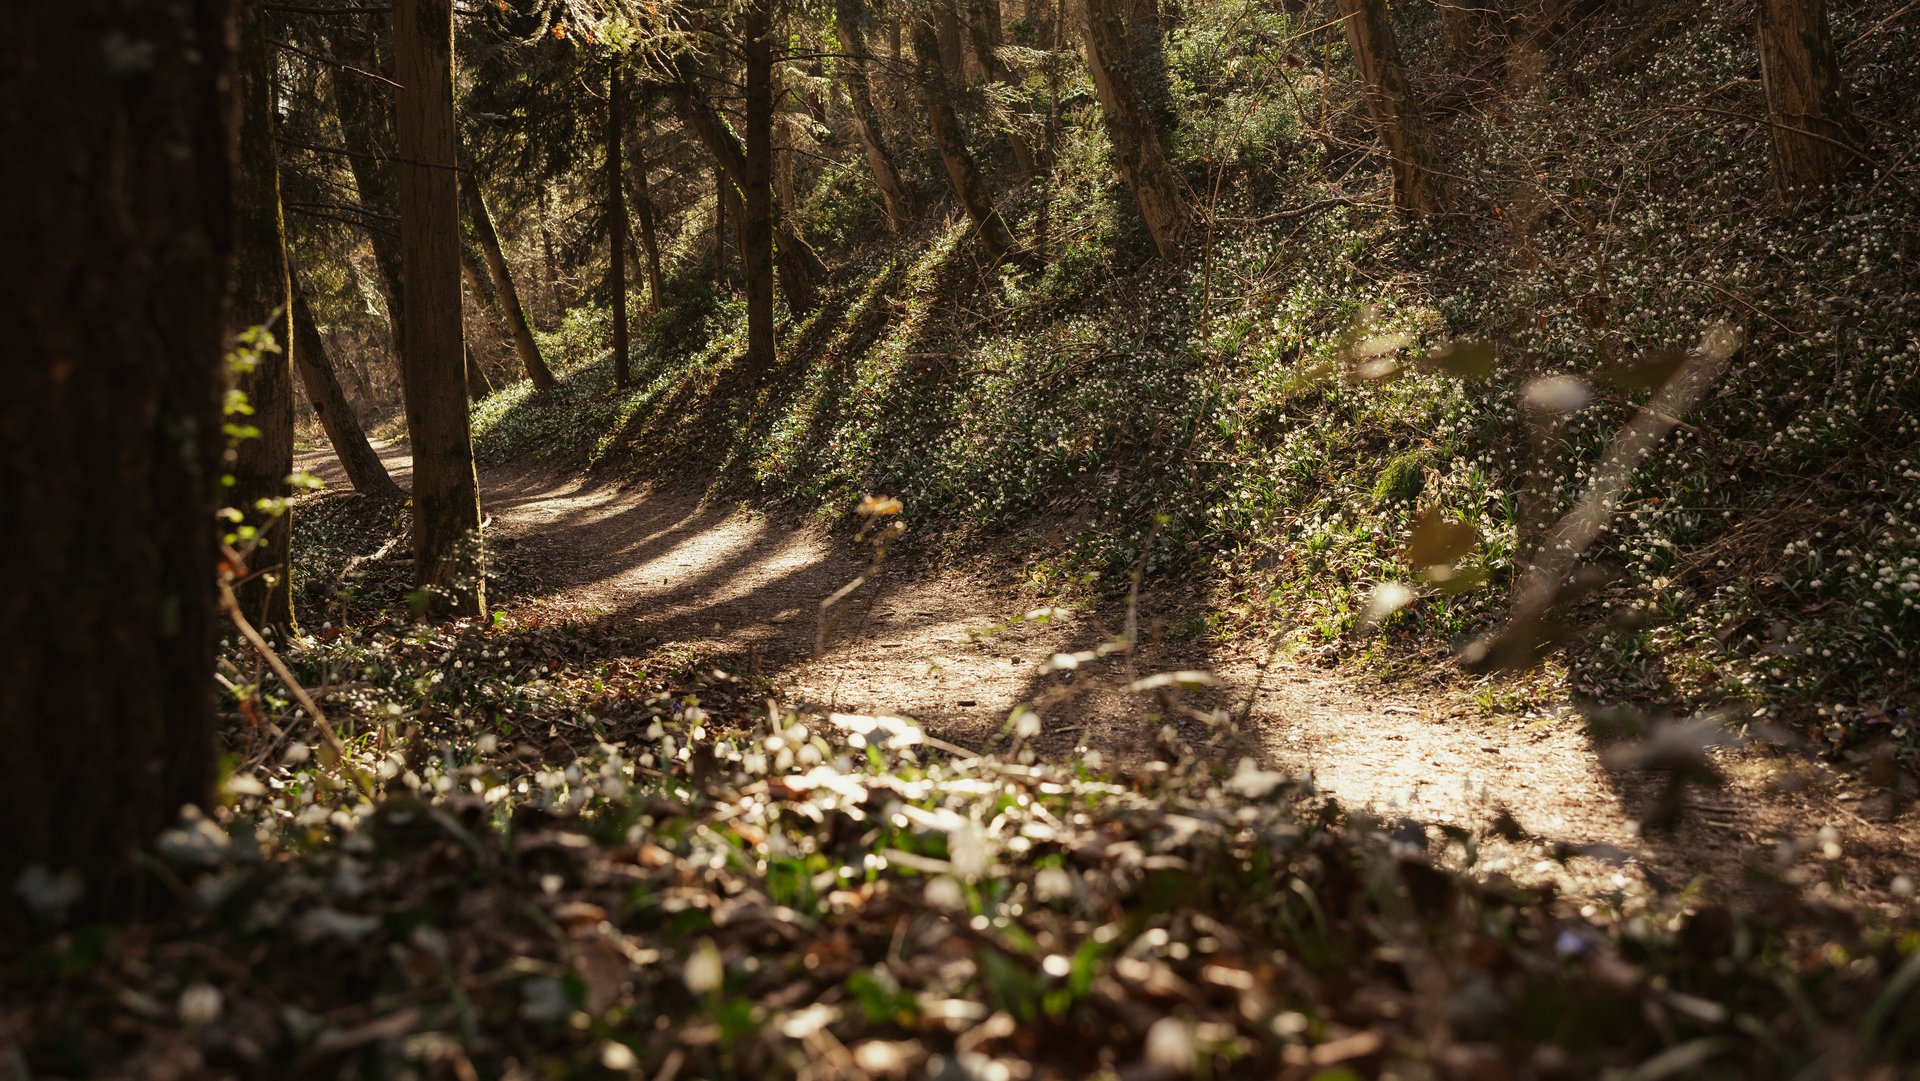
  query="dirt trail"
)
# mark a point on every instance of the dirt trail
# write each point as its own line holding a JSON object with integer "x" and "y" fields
{"x": 942, "y": 646}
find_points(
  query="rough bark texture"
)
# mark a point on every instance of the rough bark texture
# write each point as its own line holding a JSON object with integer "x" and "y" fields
{"x": 1396, "y": 115}
{"x": 1156, "y": 186}
{"x": 115, "y": 259}
{"x": 847, "y": 24}
{"x": 952, "y": 41}
{"x": 479, "y": 383}
{"x": 1147, "y": 46}
{"x": 756, "y": 188}
{"x": 801, "y": 270}
{"x": 1813, "y": 130}
{"x": 263, "y": 296}
{"x": 983, "y": 26}
{"x": 518, "y": 325}
{"x": 722, "y": 189}
{"x": 616, "y": 195}
{"x": 936, "y": 97}
{"x": 446, "y": 500}
{"x": 364, "y": 469}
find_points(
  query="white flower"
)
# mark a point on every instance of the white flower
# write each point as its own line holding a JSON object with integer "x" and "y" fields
{"x": 704, "y": 972}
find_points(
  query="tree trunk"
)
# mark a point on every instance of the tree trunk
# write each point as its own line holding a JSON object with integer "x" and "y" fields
{"x": 756, "y": 188}
{"x": 1147, "y": 47}
{"x": 1156, "y": 185}
{"x": 722, "y": 189}
{"x": 643, "y": 209}
{"x": 983, "y": 25}
{"x": 616, "y": 194}
{"x": 952, "y": 41}
{"x": 479, "y": 384}
{"x": 518, "y": 326}
{"x": 115, "y": 262}
{"x": 968, "y": 184}
{"x": 446, "y": 500}
{"x": 1813, "y": 130}
{"x": 262, "y": 296}
{"x": 364, "y": 469}
{"x": 552, "y": 267}
{"x": 1396, "y": 115}
{"x": 847, "y": 25}
{"x": 801, "y": 270}
{"x": 364, "y": 109}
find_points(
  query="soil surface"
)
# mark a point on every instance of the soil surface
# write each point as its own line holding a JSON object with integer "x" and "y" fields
{"x": 810, "y": 612}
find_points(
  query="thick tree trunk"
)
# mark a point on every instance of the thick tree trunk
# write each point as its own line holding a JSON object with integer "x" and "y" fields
{"x": 518, "y": 326}
{"x": 983, "y": 26}
{"x": 847, "y": 24}
{"x": 756, "y": 188}
{"x": 643, "y": 209}
{"x": 364, "y": 469}
{"x": 1147, "y": 46}
{"x": 968, "y": 184}
{"x": 616, "y": 195}
{"x": 115, "y": 260}
{"x": 1814, "y": 134}
{"x": 1156, "y": 185}
{"x": 801, "y": 270}
{"x": 1396, "y": 115}
{"x": 262, "y": 296}
{"x": 446, "y": 500}
{"x": 952, "y": 41}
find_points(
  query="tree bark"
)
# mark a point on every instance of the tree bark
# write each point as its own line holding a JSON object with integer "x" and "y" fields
{"x": 1396, "y": 115}
{"x": 1147, "y": 48}
{"x": 616, "y": 195}
{"x": 364, "y": 469}
{"x": 756, "y": 188}
{"x": 446, "y": 501}
{"x": 518, "y": 325}
{"x": 643, "y": 209}
{"x": 995, "y": 238}
{"x": 115, "y": 264}
{"x": 983, "y": 26}
{"x": 1156, "y": 185}
{"x": 952, "y": 41}
{"x": 722, "y": 189}
{"x": 847, "y": 25}
{"x": 263, "y": 297}
{"x": 364, "y": 110}
{"x": 1814, "y": 134}
{"x": 479, "y": 384}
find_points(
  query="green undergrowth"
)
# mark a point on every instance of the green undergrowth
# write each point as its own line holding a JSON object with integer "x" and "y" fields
{"x": 508, "y": 860}
{"x": 1260, "y": 418}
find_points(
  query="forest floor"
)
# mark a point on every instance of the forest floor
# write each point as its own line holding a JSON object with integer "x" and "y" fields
{"x": 959, "y": 647}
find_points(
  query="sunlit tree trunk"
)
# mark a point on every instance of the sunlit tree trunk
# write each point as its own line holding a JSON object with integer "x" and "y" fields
{"x": 936, "y": 97}
{"x": 262, "y": 297}
{"x": 1156, "y": 186}
{"x": 519, "y": 328}
{"x": 1396, "y": 115}
{"x": 446, "y": 501}
{"x": 364, "y": 469}
{"x": 1813, "y": 131}
{"x": 983, "y": 24}
{"x": 847, "y": 25}
{"x": 116, "y": 252}
{"x": 616, "y": 195}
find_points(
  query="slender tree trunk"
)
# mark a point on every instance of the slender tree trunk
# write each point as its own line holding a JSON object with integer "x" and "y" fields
{"x": 616, "y": 194}
{"x": 552, "y": 267}
{"x": 968, "y": 184}
{"x": 364, "y": 469}
{"x": 952, "y": 41}
{"x": 983, "y": 25}
{"x": 1156, "y": 185}
{"x": 518, "y": 326}
{"x": 365, "y": 109}
{"x": 446, "y": 499}
{"x": 801, "y": 270}
{"x": 722, "y": 191}
{"x": 643, "y": 208}
{"x": 1396, "y": 115}
{"x": 1814, "y": 134}
{"x": 115, "y": 260}
{"x": 479, "y": 384}
{"x": 756, "y": 189}
{"x": 847, "y": 26}
{"x": 262, "y": 296}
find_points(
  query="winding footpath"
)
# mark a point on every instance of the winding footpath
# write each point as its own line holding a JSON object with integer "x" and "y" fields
{"x": 957, "y": 650}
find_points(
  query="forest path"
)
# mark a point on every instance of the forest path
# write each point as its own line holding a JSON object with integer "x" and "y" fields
{"x": 948, "y": 647}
